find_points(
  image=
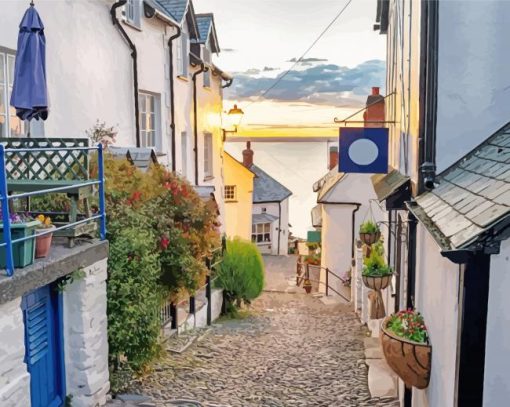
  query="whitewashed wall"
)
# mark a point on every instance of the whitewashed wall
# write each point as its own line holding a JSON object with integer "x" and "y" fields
{"x": 497, "y": 347}
{"x": 437, "y": 293}
{"x": 473, "y": 86}
{"x": 273, "y": 209}
{"x": 89, "y": 68}
{"x": 14, "y": 377}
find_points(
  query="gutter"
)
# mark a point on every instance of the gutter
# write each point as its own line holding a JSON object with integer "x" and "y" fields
{"x": 202, "y": 69}
{"x": 172, "y": 94}
{"x": 134, "y": 56}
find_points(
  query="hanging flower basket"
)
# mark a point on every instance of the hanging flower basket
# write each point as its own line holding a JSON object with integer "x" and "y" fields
{"x": 369, "y": 232}
{"x": 377, "y": 282}
{"x": 409, "y": 359}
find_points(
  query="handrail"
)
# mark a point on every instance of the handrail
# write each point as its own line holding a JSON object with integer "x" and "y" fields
{"x": 5, "y": 197}
{"x": 328, "y": 272}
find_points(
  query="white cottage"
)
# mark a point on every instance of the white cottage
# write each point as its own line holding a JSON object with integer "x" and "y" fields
{"x": 270, "y": 218}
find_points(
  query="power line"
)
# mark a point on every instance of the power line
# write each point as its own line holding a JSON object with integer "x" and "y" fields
{"x": 280, "y": 78}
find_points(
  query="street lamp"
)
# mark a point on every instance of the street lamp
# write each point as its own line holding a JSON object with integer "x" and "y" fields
{"x": 235, "y": 115}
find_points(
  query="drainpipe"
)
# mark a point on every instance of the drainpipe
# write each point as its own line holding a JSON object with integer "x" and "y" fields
{"x": 227, "y": 85}
{"x": 115, "y": 21}
{"x": 202, "y": 69}
{"x": 172, "y": 94}
{"x": 279, "y": 225}
{"x": 353, "y": 232}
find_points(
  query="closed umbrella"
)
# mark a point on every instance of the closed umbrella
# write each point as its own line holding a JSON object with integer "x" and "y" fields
{"x": 29, "y": 94}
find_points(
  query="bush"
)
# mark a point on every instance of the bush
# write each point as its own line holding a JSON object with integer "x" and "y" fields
{"x": 134, "y": 295}
{"x": 241, "y": 274}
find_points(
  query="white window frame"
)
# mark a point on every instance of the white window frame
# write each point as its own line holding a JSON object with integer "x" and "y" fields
{"x": 184, "y": 153}
{"x": 182, "y": 55}
{"x": 208, "y": 155}
{"x": 261, "y": 231}
{"x": 230, "y": 193}
{"x": 207, "y": 59}
{"x": 8, "y": 113}
{"x": 150, "y": 131}
{"x": 133, "y": 13}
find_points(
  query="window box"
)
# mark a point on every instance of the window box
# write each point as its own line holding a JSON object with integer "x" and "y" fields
{"x": 23, "y": 252}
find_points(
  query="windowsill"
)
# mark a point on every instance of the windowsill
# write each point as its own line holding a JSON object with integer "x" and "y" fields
{"x": 208, "y": 178}
{"x": 231, "y": 201}
{"x": 183, "y": 78}
{"x": 132, "y": 25}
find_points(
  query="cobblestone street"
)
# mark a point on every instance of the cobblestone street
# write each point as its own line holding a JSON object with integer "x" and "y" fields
{"x": 292, "y": 350}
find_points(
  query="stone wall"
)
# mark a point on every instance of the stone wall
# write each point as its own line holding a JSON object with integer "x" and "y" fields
{"x": 14, "y": 377}
{"x": 85, "y": 337}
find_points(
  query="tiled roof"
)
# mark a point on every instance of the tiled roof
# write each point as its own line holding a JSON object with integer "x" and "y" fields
{"x": 263, "y": 218}
{"x": 266, "y": 188}
{"x": 177, "y": 8}
{"x": 472, "y": 197}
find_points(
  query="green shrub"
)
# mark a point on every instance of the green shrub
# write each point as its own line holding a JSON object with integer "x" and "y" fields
{"x": 369, "y": 227}
{"x": 241, "y": 274}
{"x": 134, "y": 295}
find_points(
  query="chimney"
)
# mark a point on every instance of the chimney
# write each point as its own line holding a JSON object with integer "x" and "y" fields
{"x": 248, "y": 155}
{"x": 333, "y": 157}
{"x": 375, "y": 109}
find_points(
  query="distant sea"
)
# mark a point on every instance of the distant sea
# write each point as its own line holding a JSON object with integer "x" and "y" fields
{"x": 297, "y": 164}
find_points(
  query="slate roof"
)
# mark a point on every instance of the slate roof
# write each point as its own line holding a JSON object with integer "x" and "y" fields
{"x": 473, "y": 195}
{"x": 204, "y": 22}
{"x": 387, "y": 184}
{"x": 177, "y": 8}
{"x": 266, "y": 188}
{"x": 263, "y": 218}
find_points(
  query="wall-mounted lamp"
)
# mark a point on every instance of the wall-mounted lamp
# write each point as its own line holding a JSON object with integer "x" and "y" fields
{"x": 235, "y": 115}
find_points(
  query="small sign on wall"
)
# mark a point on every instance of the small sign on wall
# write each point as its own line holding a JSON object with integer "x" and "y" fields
{"x": 363, "y": 150}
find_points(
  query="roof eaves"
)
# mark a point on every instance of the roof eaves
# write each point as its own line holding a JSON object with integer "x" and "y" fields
{"x": 240, "y": 163}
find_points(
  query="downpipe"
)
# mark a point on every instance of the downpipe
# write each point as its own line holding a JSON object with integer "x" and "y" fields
{"x": 195, "y": 119}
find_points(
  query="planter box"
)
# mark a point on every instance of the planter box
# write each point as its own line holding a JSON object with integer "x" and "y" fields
{"x": 377, "y": 283}
{"x": 23, "y": 252}
{"x": 369, "y": 238}
{"x": 410, "y": 360}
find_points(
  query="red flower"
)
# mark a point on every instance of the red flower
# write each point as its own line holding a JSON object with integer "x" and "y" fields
{"x": 164, "y": 242}
{"x": 136, "y": 196}
{"x": 167, "y": 185}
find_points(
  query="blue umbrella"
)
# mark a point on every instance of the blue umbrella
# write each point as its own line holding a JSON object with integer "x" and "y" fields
{"x": 29, "y": 92}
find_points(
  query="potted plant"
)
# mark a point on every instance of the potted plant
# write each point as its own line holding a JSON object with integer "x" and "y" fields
{"x": 23, "y": 252}
{"x": 376, "y": 273}
{"x": 43, "y": 241}
{"x": 406, "y": 347}
{"x": 369, "y": 232}
{"x": 307, "y": 285}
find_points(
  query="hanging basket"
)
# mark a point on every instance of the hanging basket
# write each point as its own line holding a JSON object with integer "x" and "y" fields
{"x": 376, "y": 282}
{"x": 370, "y": 238}
{"x": 410, "y": 360}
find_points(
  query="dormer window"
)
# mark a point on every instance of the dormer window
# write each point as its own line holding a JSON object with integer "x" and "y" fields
{"x": 182, "y": 57}
{"x": 133, "y": 12}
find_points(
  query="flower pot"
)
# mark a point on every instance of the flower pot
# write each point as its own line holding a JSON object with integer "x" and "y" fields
{"x": 308, "y": 288}
{"x": 410, "y": 360}
{"x": 370, "y": 238}
{"x": 43, "y": 242}
{"x": 376, "y": 282}
{"x": 22, "y": 252}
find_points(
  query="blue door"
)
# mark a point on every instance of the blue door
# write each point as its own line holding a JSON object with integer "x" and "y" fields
{"x": 42, "y": 347}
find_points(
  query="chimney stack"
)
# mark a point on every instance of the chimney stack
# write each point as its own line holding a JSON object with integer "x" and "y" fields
{"x": 333, "y": 157}
{"x": 374, "y": 115}
{"x": 248, "y": 155}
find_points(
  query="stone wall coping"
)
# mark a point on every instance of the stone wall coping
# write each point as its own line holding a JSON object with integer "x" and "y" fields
{"x": 61, "y": 261}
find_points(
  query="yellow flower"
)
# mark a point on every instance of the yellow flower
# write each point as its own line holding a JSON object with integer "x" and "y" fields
{"x": 47, "y": 221}
{"x": 41, "y": 218}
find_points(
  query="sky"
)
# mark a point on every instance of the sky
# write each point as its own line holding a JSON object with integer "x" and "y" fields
{"x": 260, "y": 39}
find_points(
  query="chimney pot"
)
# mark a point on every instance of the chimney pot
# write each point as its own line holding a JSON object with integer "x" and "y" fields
{"x": 333, "y": 157}
{"x": 248, "y": 155}
{"x": 375, "y": 90}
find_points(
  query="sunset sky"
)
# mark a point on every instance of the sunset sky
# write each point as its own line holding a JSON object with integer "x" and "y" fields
{"x": 260, "y": 39}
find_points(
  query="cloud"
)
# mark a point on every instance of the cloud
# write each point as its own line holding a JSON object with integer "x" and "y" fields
{"x": 308, "y": 61}
{"x": 228, "y": 50}
{"x": 270, "y": 69}
{"x": 323, "y": 84}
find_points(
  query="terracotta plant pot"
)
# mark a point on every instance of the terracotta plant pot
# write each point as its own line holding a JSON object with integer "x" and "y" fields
{"x": 410, "y": 360}
{"x": 307, "y": 286}
{"x": 43, "y": 243}
{"x": 370, "y": 238}
{"x": 376, "y": 282}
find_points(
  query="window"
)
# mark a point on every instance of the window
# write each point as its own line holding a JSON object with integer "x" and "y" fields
{"x": 132, "y": 12}
{"x": 207, "y": 75}
{"x": 230, "y": 193}
{"x": 149, "y": 120}
{"x": 263, "y": 210}
{"x": 10, "y": 124}
{"x": 182, "y": 57}
{"x": 184, "y": 153}
{"x": 261, "y": 233}
{"x": 208, "y": 155}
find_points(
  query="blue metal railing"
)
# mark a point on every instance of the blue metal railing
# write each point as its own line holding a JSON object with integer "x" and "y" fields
{"x": 5, "y": 198}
